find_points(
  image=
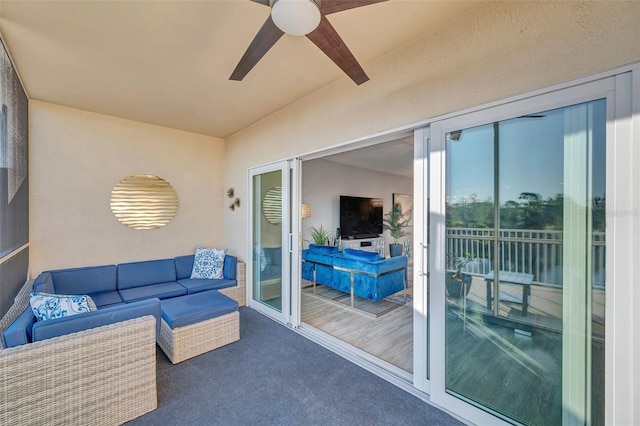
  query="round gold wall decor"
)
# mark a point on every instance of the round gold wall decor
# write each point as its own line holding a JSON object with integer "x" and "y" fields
{"x": 144, "y": 202}
{"x": 272, "y": 205}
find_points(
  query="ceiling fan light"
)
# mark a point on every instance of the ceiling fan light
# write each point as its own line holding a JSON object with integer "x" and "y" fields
{"x": 295, "y": 17}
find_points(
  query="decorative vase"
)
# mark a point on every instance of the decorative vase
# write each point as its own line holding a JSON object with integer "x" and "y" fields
{"x": 395, "y": 250}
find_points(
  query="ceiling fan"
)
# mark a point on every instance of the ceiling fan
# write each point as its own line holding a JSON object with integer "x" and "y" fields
{"x": 304, "y": 17}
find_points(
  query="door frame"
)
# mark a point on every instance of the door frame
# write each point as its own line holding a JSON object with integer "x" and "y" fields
{"x": 421, "y": 171}
{"x": 540, "y": 101}
{"x": 285, "y": 183}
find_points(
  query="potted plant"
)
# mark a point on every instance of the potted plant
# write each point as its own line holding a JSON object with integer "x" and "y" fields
{"x": 455, "y": 278}
{"x": 395, "y": 222}
{"x": 320, "y": 236}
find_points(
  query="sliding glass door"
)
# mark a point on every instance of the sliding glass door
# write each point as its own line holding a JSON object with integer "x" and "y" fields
{"x": 518, "y": 259}
{"x": 269, "y": 274}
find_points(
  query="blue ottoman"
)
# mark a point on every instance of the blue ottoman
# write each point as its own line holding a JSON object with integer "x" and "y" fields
{"x": 197, "y": 323}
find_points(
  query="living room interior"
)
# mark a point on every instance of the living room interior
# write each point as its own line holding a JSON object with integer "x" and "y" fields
{"x": 120, "y": 89}
{"x": 379, "y": 171}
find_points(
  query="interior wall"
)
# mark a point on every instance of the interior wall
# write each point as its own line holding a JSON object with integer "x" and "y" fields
{"x": 324, "y": 181}
{"x": 77, "y": 157}
{"x": 499, "y": 50}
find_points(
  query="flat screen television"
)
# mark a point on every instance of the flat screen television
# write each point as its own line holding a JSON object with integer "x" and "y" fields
{"x": 360, "y": 217}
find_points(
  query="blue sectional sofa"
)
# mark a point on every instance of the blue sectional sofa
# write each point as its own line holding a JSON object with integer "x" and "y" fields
{"x": 374, "y": 278}
{"x": 120, "y": 292}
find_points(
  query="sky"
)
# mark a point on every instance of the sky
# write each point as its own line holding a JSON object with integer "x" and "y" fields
{"x": 531, "y": 157}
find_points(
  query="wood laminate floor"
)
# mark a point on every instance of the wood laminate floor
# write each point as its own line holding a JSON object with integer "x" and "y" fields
{"x": 388, "y": 337}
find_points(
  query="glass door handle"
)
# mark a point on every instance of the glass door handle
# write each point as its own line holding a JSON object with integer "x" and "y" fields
{"x": 425, "y": 253}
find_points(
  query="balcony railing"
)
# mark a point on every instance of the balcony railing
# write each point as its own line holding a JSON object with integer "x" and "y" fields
{"x": 529, "y": 251}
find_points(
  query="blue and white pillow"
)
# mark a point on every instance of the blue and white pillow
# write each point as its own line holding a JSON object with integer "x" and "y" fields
{"x": 47, "y": 306}
{"x": 208, "y": 263}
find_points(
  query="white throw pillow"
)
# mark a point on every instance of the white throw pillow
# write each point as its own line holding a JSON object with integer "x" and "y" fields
{"x": 48, "y": 306}
{"x": 208, "y": 263}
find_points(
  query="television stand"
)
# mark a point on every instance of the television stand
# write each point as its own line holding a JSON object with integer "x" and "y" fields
{"x": 375, "y": 245}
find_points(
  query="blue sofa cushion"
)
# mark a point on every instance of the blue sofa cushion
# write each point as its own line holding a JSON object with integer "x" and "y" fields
{"x": 43, "y": 283}
{"x": 230, "y": 267}
{"x": 372, "y": 267}
{"x": 197, "y": 285}
{"x": 106, "y": 298}
{"x": 367, "y": 256}
{"x": 161, "y": 291}
{"x": 91, "y": 279}
{"x": 137, "y": 274}
{"x": 61, "y": 326}
{"x": 47, "y": 306}
{"x": 184, "y": 266}
{"x": 324, "y": 249}
{"x": 19, "y": 331}
{"x": 318, "y": 257}
{"x": 183, "y": 311}
{"x": 208, "y": 263}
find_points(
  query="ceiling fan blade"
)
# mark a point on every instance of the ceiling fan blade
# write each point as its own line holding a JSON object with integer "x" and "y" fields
{"x": 328, "y": 40}
{"x": 262, "y": 42}
{"x": 333, "y": 6}
{"x": 263, "y": 2}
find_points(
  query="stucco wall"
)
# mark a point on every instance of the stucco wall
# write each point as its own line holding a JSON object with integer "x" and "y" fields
{"x": 496, "y": 51}
{"x": 77, "y": 157}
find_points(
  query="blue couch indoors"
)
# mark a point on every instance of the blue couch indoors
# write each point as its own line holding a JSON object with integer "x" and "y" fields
{"x": 374, "y": 278}
{"x": 120, "y": 292}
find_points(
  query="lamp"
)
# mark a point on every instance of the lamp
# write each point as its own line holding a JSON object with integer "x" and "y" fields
{"x": 295, "y": 17}
{"x": 306, "y": 210}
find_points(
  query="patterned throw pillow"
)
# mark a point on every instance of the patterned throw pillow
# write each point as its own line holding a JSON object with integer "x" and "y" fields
{"x": 264, "y": 262}
{"x": 208, "y": 263}
{"x": 48, "y": 306}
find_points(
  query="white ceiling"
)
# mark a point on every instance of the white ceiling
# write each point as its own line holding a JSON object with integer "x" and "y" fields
{"x": 394, "y": 157}
{"x": 168, "y": 62}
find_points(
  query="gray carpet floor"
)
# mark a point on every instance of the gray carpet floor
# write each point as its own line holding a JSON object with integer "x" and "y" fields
{"x": 274, "y": 376}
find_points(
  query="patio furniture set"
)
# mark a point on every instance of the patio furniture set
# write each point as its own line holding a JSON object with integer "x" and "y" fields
{"x": 99, "y": 366}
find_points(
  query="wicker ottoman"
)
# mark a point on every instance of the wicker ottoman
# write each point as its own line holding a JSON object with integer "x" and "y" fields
{"x": 197, "y": 323}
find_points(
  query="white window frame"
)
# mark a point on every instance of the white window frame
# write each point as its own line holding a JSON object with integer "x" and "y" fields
{"x": 623, "y": 127}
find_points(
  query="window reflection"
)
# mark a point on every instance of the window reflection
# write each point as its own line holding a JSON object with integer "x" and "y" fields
{"x": 525, "y": 222}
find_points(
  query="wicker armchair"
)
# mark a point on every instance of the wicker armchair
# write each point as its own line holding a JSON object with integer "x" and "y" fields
{"x": 105, "y": 375}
